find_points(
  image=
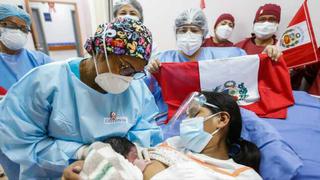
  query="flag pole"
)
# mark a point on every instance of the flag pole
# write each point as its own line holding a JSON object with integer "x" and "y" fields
{"x": 310, "y": 29}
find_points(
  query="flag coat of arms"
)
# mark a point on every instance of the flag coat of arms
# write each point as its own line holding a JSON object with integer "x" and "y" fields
{"x": 255, "y": 82}
{"x": 298, "y": 42}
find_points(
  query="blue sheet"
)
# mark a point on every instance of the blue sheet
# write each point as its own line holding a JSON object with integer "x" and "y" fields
{"x": 301, "y": 130}
{"x": 278, "y": 159}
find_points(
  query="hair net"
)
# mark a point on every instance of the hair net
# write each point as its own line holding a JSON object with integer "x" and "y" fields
{"x": 123, "y": 36}
{"x": 7, "y": 10}
{"x": 195, "y": 17}
{"x": 117, "y": 5}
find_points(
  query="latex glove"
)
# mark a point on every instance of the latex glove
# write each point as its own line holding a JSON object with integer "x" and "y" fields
{"x": 273, "y": 52}
{"x": 154, "y": 66}
{"x": 83, "y": 151}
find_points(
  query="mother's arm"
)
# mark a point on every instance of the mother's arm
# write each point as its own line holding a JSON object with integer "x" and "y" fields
{"x": 153, "y": 168}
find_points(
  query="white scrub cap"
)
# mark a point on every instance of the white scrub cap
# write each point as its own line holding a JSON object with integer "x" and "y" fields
{"x": 194, "y": 17}
{"x": 117, "y": 4}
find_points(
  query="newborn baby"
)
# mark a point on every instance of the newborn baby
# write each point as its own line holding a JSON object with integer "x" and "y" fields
{"x": 115, "y": 158}
{"x": 124, "y": 147}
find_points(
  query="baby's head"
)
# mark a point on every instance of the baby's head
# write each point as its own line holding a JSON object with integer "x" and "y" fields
{"x": 124, "y": 147}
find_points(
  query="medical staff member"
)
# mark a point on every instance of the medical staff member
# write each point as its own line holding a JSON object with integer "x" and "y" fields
{"x": 223, "y": 29}
{"x": 128, "y": 8}
{"x": 58, "y": 111}
{"x": 266, "y": 23}
{"x": 209, "y": 145}
{"x": 15, "y": 60}
{"x": 191, "y": 28}
{"x": 132, "y": 9}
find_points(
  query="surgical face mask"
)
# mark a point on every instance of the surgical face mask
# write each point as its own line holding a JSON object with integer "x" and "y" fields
{"x": 136, "y": 18}
{"x": 189, "y": 42}
{"x": 193, "y": 135}
{"x": 224, "y": 32}
{"x": 265, "y": 30}
{"x": 13, "y": 39}
{"x": 113, "y": 83}
{"x": 110, "y": 82}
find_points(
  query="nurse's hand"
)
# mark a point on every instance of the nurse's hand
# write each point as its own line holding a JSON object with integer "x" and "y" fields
{"x": 154, "y": 66}
{"x": 273, "y": 52}
{"x": 72, "y": 171}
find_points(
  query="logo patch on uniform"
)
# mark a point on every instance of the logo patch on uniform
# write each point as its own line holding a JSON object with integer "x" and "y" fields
{"x": 238, "y": 91}
{"x": 114, "y": 118}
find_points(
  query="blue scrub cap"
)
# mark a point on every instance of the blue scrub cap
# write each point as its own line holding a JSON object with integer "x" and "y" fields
{"x": 7, "y": 10}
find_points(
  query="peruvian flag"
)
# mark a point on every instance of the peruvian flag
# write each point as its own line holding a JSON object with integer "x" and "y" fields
{"x": 3, "y": 91}
{"x": 256, "y": 82}
{"x": 298, "y": 42}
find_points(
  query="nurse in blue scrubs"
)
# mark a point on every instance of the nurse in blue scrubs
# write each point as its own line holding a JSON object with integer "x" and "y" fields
{"x": 57, "y": 112}
{"x": 16, "y": 61}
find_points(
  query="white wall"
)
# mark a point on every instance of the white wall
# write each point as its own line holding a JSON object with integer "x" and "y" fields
{"x": 99, "y": 13}
{"x": 60, "y": 29}
{"x": 160, "y": 14}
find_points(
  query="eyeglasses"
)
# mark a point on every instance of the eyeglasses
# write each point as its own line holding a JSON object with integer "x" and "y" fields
{"x": 185, "y": 29}
{"x": 267, "y": 19}
{"x": 229, "y": 23}
{"x": 128, "y": 70}
{"x": 24, "y": 29}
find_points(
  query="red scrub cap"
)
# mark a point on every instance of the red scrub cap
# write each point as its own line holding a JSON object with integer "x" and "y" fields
{"x": 269, "y": 9}
{"x": 222, "y": 17}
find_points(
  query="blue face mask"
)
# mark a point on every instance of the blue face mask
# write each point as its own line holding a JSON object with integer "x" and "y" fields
{"x": 192, "y": 134}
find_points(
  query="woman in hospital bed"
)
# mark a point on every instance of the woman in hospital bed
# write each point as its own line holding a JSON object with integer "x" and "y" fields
{"x": 209, "y": 145}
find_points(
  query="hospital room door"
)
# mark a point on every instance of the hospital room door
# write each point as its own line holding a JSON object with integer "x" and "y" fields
{"x": 55, "y": 28}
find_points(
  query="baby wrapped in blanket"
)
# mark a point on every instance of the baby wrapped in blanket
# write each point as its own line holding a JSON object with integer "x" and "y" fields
{"x": 116, "y": 158}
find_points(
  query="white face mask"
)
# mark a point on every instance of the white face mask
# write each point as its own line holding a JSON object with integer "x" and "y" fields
{"x": 224, "y": 32}
{"x": 136, "y": 18}
{"x": 13, "y": 39}
{"x": 113, "y": 83}
{"x": 265, "y": 30}
{"x": 189, "y": 42}
{"x": 110, "y": 82}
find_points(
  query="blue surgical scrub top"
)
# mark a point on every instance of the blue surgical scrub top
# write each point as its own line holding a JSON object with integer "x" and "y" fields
{"x": 50, "y": 113}
{"x": 207, "y": 53}
{"x": 13, "y": 67}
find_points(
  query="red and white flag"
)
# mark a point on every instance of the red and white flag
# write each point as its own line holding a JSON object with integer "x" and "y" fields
{"x": 202, "y": 4}
{"x": 298, "y": 42}
{"x": 256, "y": 82}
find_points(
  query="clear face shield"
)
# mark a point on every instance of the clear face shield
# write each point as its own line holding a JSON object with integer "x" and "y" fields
{"x": 190, "y": 108}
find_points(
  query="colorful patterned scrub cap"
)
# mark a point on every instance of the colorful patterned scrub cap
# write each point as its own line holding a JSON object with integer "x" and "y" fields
{"x": 123, "y": 36}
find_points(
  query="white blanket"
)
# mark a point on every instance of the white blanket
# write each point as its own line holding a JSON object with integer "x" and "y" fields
{"x": 105, "y": 164}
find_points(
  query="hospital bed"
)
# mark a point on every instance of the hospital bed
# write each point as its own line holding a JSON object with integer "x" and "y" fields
{"x": 289, "y": 147}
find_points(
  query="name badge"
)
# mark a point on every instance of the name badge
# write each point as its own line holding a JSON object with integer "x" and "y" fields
{"x": 114, "y": 119}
